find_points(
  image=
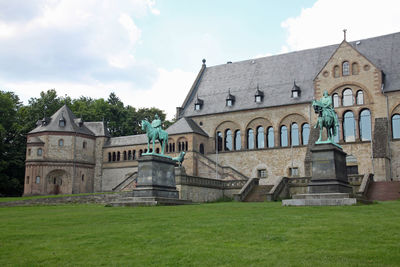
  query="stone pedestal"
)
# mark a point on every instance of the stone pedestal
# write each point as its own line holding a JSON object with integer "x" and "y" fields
{"x": 329, "y": 184}
{"x": 155, "y": 184}
{"x": 329, "y": 173}
{"x": 156, "y": 177}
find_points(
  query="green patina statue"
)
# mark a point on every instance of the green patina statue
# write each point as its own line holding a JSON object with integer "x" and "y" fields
{"x": 154, "y": 132}
{"x": 326, "y": 118}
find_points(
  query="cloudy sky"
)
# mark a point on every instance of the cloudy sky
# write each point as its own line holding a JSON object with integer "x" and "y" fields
{"x": 149, "y": 52}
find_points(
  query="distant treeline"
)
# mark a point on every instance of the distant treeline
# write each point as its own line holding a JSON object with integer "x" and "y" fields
{"x": 16, "y": 120}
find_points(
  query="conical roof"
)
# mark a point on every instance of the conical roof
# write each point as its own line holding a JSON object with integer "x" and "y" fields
{"x": 69, "y": 125}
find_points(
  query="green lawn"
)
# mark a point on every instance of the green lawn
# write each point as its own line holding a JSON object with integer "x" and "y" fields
{"x": 219, "y": 234}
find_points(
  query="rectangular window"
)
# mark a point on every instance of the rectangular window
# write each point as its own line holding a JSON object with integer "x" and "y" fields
{"x": 262, "y": 173}
{"x": 294, "y": 172}
{"x": 37, "y": 179}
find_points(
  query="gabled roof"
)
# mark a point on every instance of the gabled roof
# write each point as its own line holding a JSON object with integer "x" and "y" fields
{"x": 52, "y": 125}
{"x": 99, "y": 128}
{"x": 275, "y": 74}
{"x": 185, "y": 125}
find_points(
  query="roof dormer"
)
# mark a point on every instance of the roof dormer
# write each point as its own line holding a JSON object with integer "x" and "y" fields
{"x": 296, "y": 92}
{"x": 198, "y": 104}
{"x": 230, "y": 99}
{"x": 61, "y": 121}
{"x": 259, "y": 96}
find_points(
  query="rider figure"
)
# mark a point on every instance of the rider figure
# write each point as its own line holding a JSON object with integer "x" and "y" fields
{"x": 326, "y": 103}
{"x": 156, "y": 123}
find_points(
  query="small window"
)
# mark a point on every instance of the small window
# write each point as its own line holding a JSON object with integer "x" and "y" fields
{"x": 39, "y": 152}
{"x": 61, "y": 123}
{"x": 109, "y": 156}
{"x": 114, "y": 156}
{"x": 219, "y": 141}
{"x": 360, "y": 98}
{"x": 118, "y": 156}
{"x": 258, "y": 99}
{"x": 262, "y": 173}
{"x": 197, "y": 106}
{"x": 29, "y": 152}
{"x": 295, "y": 94}
{"x": 27, "y": 179}
{"x": 345, "y": 68}
{"x": 294, "y": 172}
{"x": 61, "y": 142}
{"x": 125, "y": 157}
{"x": 355, "y": 69}
{"x": 335, "y": 101}
{"x": 201, "y": 149}
{"x": 336, "y": 71}
{"x": 83, "y": 177}
{"x": 37, "y": 180}
{"x": 238, "y": 140}
{"x": 229, "y": 102}
{"x": 129, "y": 155}
{"x": 84, "y": 144}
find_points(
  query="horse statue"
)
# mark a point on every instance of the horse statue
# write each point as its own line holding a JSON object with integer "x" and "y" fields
{"x": 326, "y": 118}
{"x": 155, "y": 133}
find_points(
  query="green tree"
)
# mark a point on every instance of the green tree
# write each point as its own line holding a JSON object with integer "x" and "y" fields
{"x": 12, "y": 147}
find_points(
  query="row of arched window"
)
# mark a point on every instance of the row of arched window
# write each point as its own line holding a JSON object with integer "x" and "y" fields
{"x": 349, "y": 126}
{"x": 182, "y": 146}
{"x": 348, "y": 98}
{"x": 346, "y": 69}
{"x": 257, "y": 139}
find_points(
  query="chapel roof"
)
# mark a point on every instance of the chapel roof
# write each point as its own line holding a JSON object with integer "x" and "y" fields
{"x": 275, "y": 75}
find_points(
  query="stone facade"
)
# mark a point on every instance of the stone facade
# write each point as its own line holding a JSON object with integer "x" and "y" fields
{"x": 364, "y": 87}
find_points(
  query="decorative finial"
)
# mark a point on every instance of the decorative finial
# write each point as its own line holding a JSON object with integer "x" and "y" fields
{"x": 204, "y": 61}
{"x": 344, "y": 34}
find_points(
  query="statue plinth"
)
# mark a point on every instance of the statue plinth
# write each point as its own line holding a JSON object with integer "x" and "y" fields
{"x": 156, "y": 177}
{"x": 329, "y": 173}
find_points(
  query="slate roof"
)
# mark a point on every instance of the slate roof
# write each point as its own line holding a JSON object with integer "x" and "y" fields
{"x": 35, "y": 140}
{"x": 70, "y": 125}
{"x": 185, "y": 125}
{"x": 98, "y": 128}
{"x": 274, "y": 75}
{"x": 126, "y": 140}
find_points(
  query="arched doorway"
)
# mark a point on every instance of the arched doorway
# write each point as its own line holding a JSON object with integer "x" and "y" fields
{"x": 56, "y": 182}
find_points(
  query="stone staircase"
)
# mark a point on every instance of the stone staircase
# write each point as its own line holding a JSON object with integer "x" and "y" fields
{"x": 258, "y": 194}
{"x": 383, "y": 191}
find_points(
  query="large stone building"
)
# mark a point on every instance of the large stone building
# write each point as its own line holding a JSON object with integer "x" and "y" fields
{"x": 241, "y": 120}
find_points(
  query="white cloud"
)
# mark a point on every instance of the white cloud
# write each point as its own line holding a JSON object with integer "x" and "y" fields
{"x": 322, "y": 24}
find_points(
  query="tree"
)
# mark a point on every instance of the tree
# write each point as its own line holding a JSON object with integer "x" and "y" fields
{"x": 12, "y": 147}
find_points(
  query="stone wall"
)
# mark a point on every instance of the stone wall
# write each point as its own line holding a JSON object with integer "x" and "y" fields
{"x": 112, "y": 177}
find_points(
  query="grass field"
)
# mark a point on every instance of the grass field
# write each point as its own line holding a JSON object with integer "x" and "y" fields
{"x": 219, "y": 234}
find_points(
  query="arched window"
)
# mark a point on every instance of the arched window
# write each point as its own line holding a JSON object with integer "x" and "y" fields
{"x": 114, "y": 156}
{"x": 124, "y": 155}
{"x": 158, "y": 150}
{"x": 61, "y": 142}
{"x": 360, "y": 97}
{"x": 270, "y": 137}
{"x": 109, "y": 156}
{"x": 365, "y": 125}
{"x": 118, "y": 156}
{"x": 186, "y": 146}
{"x": 39, "y": 152}
{"x": 83, "y": 177}
{"x": 238, "y": 140}
{"x": 84, "y": 144}
{"x": 228, "y": 140}
{"x": 295, "y": 134}
{"x": 260, "y": 137}
{"x": 250, "y": 139}
{"x": 284, "y": 136}
{"x": 336, "y": 71}
{"x": 140, "y": 152}
{"x": 347, "y": 97}
{"x": 305, "y": 133}
{"x": 173, "y": 147}
{"x": 354, "y": 68}
{"x": 170, "y": 147}
{"x": 349, "y": 128}
{"x": 345, "y": 68}
{"x": 129, "y": 155}
{"x": 219, "y": 141}
{"x": 134, "y": 154}
{"x": 179, "y": 146}
{"x": 201, "y": 149}
{"x": 396, "y": 126}
{"x": 335, "y": 100}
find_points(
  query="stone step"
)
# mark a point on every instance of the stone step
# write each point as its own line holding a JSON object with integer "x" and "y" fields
{"x": 258, "y": 194}
{"x": 320, "y": 202}
{"x": 322, "y": 196}
{"x": 147, "y": 201}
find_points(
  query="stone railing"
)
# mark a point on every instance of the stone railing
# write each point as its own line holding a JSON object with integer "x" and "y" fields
{"x": 246, "y": 189}
{"x": 365, "y": 183}
{"x": 226, "y": 170}
{"x": 280, "y": 187}
{"x": 355, "y": 179}
{"x": 208, "y": 182}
